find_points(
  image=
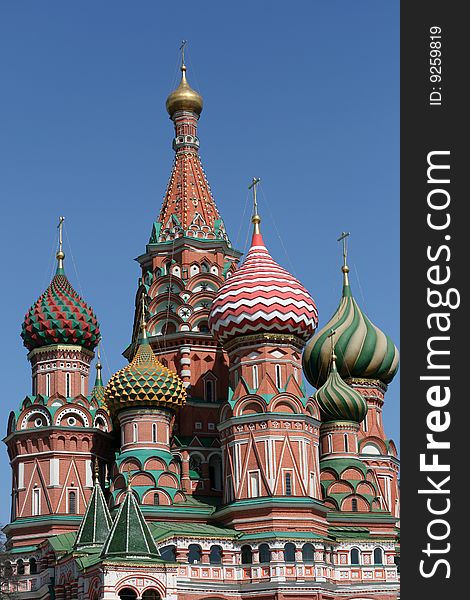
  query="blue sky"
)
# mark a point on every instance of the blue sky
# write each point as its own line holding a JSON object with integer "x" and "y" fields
{"x": 303, "y": 94}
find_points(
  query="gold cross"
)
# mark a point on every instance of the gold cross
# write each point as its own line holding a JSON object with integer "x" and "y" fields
{"x": 59, "y": 227}
{"x": 183, "y": 44}
{"x": 343, "y": 238}
{"x": 253, "y": 184}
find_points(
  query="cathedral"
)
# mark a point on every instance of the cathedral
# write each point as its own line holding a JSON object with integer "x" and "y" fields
{"x": 202, "y": 470}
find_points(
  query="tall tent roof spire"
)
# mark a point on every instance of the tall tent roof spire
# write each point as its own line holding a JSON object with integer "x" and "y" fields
{"x": 130, "y": 535}
{"x": 97, "y": 521}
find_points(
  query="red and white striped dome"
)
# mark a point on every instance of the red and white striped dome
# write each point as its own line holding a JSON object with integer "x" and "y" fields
{"x": 262, "y": 297}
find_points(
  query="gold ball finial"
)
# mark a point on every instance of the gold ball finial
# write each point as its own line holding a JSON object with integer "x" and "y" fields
{"x": 184, "y": 97}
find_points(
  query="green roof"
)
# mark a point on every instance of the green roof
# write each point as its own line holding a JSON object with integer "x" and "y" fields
{"x": 161, "y": 531}
{"x": 341, "y": 464}
{"x": 130, "y": 536}
{"x": 96, "y": 523}
{"x": 280, "y": 535}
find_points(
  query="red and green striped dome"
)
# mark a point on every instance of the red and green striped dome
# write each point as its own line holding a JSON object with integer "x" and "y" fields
{"x": 60, "y": 316}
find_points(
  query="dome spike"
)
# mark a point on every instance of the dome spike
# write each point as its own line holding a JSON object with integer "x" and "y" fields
{"x": 343, "y": 238}
{"x": 60, "y": 254}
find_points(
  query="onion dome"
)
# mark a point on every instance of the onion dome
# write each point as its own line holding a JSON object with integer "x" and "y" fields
{"x": 363, "y": 350}
{"x": 60, "y": 316}
{"x": 337, "y": 400}
{"x": 144, "y": 382}
{"x": 262, "y": 297}
{"x": 184, "y": 97}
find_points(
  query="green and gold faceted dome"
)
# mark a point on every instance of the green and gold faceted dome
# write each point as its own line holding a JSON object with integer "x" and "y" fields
{"x": 337, "y": 400}
{"x": 145, "y": 382}
{"x": 363, "y": 351}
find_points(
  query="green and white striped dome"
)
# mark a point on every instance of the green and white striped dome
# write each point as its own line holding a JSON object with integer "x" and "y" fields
{"x": 338, "y": 401}
{"x": 363, "y": 350}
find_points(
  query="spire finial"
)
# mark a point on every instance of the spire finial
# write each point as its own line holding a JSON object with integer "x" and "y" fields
{"x": 60, "y": 254}
{"x": 143, "y": 324}
{"x": 96, "y": 471}
{"x": 129, "y": 478}
{"x": 343, "y": 238}
{"x": 99, "y": 380}
{"x": 182, "y": 47}
{"x": 331, "y": 335}
{"x": 255, "y": 219}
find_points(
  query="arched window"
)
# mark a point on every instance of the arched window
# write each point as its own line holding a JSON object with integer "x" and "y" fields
{"x": 33, "y": 566}
{"x": 168, "y": 553}
{"x": 264, "y": 553}
{"x": 215, "y": 472}
{"x": 154, "y": 432}
{"x": 308, "y": 553}
{"x": 278, "y": 376}
{"x": 204, "y": 268}
{"x": 215, "y": 556}
{"x": 194, "y": 553}
{"x": 20, "y": 567}
{"x": 135, "y": 433}
{"x": 151, "y": 595}
{"x": 72, "y": 503}
{"x": 329, "y": 442}
{"x": 7, "y": 569}
{"x": 378, "y": 556}
{"x": 289, "y": 553}
{"x": 354, "y": 505}
{"x": 203, "y": 327}
{"x": 247, "y": 555}
{"x": 355, "y": 556}
{"x": 156, "y": 499}
{"x": 36, "y": 501}
{"x": 127, "y": 594}
{"x": 48, "y": 384}
{"x": 346, "y": 444}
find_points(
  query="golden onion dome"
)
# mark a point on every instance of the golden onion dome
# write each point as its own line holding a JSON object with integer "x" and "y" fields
{"x": 145, "y": 382}
{"x": 184, "y": 97}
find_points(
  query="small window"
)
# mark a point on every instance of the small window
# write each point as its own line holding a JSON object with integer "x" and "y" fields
{"x": 154, "y": 432}
{"x": 20, "y": 567}
{"x": 36, "y": 500}
{"x": 48, "y": 384}
{"x": 194, "y": 554}
{"x": 355, "y": 556}
{"x": 255, "y": 377}
{"x": 135, "y": 433}
{"x": 354, "y": 505}
{"x": 168, "y": 553}
{"x": 72, "y": 503}
{"x": 35, "y": 385}
{"x": 289, "y": 553}
{"x": 330, "y": 443}
{"x": 198, "y": 425}
{"x": 308, "y": 553}
{"x": 156, "y": 499}
{"x": 296, "y": 374}
{"x": 365, "y": 423}
{"x": 68, "y": 386}
{"x": 278, "y": 376}
{"x": 33, "y": 566}
{"x": 254, "y": 484}
{"x": 346, "y": 444}
{"x": 215, "y": 555}
{"x": 378, "y": 556}
{"x": 264, "y": 553}
{"x": 247, "y": 555}
{"x": 209, "y": 391}
{"x": 288, "y": 484}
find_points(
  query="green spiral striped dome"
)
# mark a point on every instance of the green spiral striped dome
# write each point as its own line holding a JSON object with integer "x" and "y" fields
{"x": 338, "y": 401}
{"x": 363, "y": 350}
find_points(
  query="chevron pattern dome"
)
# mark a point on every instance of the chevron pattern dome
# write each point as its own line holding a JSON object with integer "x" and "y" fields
{"x": 60, "y": 316}
{"x": 261, "y": 296}
{"x": 363, "y": 350}
{"x": 338, "y": 401}
{"x": 144, "y": 382}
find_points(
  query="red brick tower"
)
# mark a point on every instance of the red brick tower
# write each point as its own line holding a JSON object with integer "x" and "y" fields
{"x": 59, "y": 429}
{"x": 187, "y": 259}
{"x": 269, "y": 430}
